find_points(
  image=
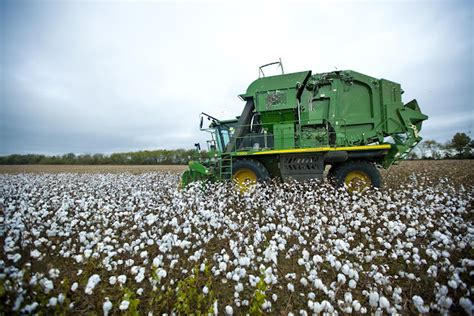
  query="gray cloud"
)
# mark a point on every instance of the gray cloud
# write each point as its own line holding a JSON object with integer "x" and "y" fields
{"x": 104, "y": 77}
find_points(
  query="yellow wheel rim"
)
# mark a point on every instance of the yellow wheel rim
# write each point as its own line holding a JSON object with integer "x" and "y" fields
{"x": 357, "y": 181}
{"x": 245, "y": 178}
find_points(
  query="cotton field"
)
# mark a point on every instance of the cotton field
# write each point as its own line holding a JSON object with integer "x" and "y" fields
{"x": 114, "y": 243}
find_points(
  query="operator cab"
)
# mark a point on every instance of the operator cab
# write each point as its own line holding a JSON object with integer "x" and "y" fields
{"x": 221, "y": 132}
{"x": 224, "y": 131}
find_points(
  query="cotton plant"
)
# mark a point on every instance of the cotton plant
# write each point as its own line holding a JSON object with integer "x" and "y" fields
{"x": 339, "y": 252}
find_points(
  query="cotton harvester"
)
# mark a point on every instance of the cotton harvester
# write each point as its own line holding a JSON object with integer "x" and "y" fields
{"x": 294, "y": 125}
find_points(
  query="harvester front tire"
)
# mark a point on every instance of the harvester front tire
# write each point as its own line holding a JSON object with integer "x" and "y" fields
{"x": 250, "y": 170}
{"x": 356, "y": 175}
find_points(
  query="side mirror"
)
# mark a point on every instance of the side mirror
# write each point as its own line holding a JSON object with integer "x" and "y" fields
{"x": 200, "y": 124}
{"x": 198, "y": 146}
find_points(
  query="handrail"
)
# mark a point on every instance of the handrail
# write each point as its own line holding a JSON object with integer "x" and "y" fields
{"x": 260, "y": 69}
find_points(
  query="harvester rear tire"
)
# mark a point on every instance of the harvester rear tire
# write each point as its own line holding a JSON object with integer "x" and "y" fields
{"x": 261, "y": 173}
{"x": 343, "y": 173}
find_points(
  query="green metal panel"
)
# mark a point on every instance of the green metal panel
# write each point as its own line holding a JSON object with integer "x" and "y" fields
{"x": 360, "y": 109}
{"x": 317, "y": 111}
{"x": 284, "y": 135}
{"x": 272, "y": 83}
{"x": 276, "y": 93}
{"x": 276, "y": 117}
{"x": 391, "y": 102}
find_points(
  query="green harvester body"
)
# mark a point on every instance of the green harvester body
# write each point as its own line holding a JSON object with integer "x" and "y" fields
{"x": 295, "y": 124}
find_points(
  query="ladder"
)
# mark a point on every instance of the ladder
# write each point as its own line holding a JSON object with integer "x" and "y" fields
{"x": 225, "y": 167}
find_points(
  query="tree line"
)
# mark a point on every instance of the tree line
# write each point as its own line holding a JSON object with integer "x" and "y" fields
{"x": 459, "y": 147}
{"x": 145, "y": 157}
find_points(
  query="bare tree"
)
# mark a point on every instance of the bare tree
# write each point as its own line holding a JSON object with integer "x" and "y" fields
{"x": 433, "y": 148}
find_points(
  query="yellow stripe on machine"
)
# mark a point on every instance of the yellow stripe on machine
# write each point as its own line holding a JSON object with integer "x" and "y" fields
{"x": 313, "y": 150}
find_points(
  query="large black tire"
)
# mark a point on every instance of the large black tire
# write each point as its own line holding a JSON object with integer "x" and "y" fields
{"x": 365, "y": 172}
{"x": 261, "y": 173}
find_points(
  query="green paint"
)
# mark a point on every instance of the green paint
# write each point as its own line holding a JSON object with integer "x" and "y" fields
{"x": 196, "y": 172}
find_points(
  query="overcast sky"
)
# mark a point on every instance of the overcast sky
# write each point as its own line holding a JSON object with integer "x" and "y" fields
{"x": 89, "y": 77}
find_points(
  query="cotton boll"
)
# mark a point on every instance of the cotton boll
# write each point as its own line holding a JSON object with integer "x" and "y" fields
{"x": 91, "y": 283}
{"x": 304, "y": 281}
{"x": 35, "y": 254}
{"x": 157, "y": 261}
{"x": 466, "y": 303}
{"x": 140, "y": 276}
{"x": 271, "y": 254}
{"x": 266, "y": 306}
{"x": 453, "y": 284}
{"x": 122, "y": 279}
{"x": 352, "y": 284}
{"x": 341, "y": 278}
{"x": 347, "y": 309}
{"x": 239, "y": 287}
{"x": 124, "y": 305}
{"x": 61, "y": 298}
{"x": 30, "y": 308}
{"x": 253, "y": 280}
{"x": 348, "y": 297}
{"x": 317, "y": 259}
{"x": 106, "y": 306}
{"x": 418, "y": 302}
{"x": 318, "y": 284}
{"x": 374, "y": 299}
{"x": 356, "y": 305}
{"x": 345, "y": 269}
{"x": 229, "y": 310}
{"x": 384, "y": 303}
{"x": 244, "y": 261}
{"x": 161, "y": 273}
{"x": 222, "y": 266}
{"x": 305, "y": 255}
{"x": 87, "y": 253}
{"x": 47, "y": 285}
{"x": 78, "y": 258}
{"x": 16, "y": 257}
{"x": 112, "y": 280}
{"x": 74, "y": 286}
{"x": 52, "y": 301}
{"x": 235, "y": 276}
